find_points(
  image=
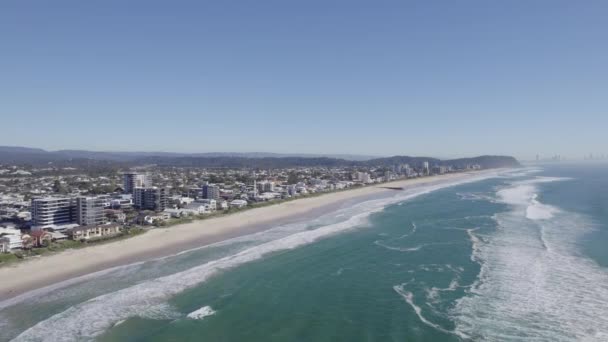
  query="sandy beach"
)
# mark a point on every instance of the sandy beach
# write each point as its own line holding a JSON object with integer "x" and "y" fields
{"x": 36, "y": 273}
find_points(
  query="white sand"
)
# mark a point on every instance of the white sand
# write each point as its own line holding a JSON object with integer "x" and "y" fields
{"x": 47, "y": 270}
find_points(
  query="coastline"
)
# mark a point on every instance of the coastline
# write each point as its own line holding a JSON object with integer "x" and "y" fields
{"x": 160, "y": 242}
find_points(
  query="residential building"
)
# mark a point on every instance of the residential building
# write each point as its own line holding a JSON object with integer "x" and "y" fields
{"x": 238, "y": 203}
{"x": 152, "y": 198}
{"x": 52, "y": 211}
{"x": 132, "y": 180}
{"x": 90, "y": 211}
{"x": 10, "y": 238}
{"x": 160, "y": 217}
{"x": 363, "y": 177}
{"x": 211, "y": 191}
{"x": 265, "y": 186}
{"x": 89, "y": 232}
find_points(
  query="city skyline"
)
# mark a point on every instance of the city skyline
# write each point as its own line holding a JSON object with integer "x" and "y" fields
{"x": 444, "y": 80}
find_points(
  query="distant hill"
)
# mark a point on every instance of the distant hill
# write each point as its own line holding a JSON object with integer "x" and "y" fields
{"x": 35, "y": 156}
{"x": 17, "y": 154}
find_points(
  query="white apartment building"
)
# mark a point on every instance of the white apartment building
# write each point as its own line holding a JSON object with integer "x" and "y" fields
{"x": 265, "y": 186}
{"x": 90, "y": 211}
{"x": 363, "y": 177}
{"x": 52, "y": 211}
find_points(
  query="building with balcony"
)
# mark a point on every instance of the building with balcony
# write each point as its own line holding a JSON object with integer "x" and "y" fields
{"x": 90, "y": 211}
{"x": 48, "y": 212}
{"x": 211, "y": 191}
{"x": 152, "y": 198}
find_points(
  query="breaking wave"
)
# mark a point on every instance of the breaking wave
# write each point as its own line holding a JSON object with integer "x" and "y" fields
{"x": 409, "y": 298}
{"x": 534, "y": 284}
{"x": 201, "y": 313}
{"x": 148, "y": 299}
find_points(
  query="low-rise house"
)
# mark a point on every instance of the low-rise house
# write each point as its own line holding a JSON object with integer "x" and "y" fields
{"x": 223, "y": 205}
{"x": 116, "y": 215}
{"x": 238, "y": 203}
{"x": 11, "y": 239}
{"x": 89, "y": 232}
{"x": 197, "y": 209}
{"x": 57, "y": 236}
{"x": 5, "y": 245}
{"x": 210, "y": 204}
{"x": 162, "y": 216}
{"x": 177, "y": 213}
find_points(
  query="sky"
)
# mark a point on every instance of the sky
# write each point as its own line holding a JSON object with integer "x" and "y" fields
{"x": 433, "y": 78}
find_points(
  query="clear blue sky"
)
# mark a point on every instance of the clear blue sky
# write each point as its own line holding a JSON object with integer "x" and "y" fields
{"x": 440, "y": 78}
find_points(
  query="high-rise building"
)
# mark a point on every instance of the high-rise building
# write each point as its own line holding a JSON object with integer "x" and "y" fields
{"x": 362, "y": 177}
{"x": 426, "y": 169}
{"x": 265, "y": 186}
{"x": 89, "y": 211}
{"x": 211, "y": 191}
{"x": 132, "y": 180}
{"x": 52, "y": 211}
{"x": 152, "y": 198}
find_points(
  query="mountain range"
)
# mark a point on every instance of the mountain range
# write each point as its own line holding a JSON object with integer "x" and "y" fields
{"x": 37, "y": 156}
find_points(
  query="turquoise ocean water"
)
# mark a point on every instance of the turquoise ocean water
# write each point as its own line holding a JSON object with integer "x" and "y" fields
{"x": 513, "y": 256}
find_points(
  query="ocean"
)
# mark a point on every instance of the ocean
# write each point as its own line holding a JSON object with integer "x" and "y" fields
{"x": 518, "y": 255}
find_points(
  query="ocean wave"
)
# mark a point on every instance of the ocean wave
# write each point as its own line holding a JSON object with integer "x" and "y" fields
{"x": 534, "y": 284}
{"x": 86, "y": 320}
{"x": 201, "y": 313}
{"x": 411, "y": 249}
{"x": 409, "y": 299}
{"x": 414, "y": 228}
{"x": 539, "y": 211}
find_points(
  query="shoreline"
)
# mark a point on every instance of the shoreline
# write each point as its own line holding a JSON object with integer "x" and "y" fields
{"x": 38, "y": 273}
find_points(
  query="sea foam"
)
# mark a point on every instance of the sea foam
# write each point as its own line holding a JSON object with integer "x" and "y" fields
{"x": 534, "y": 284}
{"x": 201, "y": 313}
{"x": 148, "y": 299}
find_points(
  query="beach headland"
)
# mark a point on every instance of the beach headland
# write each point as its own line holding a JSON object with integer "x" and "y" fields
{"x": 37, "y": 273}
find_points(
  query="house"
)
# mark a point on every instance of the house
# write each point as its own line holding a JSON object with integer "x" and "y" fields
{"x": 177, "y": 213}
{"x": 37, "y": 238}
{"x": 11, "y": 238}
{"x": 238, "y": 203}
{"x": 89, "y": 232}
{"x": 5, "y": 245}
{"x": 162, "y": 216}
{"x": 223, "y": 205}
{"x": 116, "y": 215}
{"x": 197, "y": 208}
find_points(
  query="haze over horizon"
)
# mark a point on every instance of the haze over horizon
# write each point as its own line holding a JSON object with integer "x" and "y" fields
{"x": 343, "y": 77}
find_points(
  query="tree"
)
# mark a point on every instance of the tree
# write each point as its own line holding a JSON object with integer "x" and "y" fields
{"x": 58, "y": 187}
{"x": 292, "y": 178}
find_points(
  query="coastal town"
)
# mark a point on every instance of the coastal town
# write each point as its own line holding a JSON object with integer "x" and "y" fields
{"x": 48, "y": 209}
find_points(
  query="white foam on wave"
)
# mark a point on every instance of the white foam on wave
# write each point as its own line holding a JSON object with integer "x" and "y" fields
{"x": 433, "y": 294}
{"x": 409, "y": 298}
{"x": 410, "y": 249}
{"x": 201, "y": 313}
{"x": 539, "y": 211}
{"x": 412, "y": 232}
{"x": 530, "y": 288}
{"x": 148, "y": 299}
{"x": 523, "y": 195}
{"x": 399, "y": 249}
{"x": 475, "y": 244}
{"x": 522, "y": 172}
